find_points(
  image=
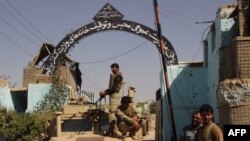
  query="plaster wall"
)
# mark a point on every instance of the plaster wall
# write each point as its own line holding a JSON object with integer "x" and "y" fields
{"x": 188, "y": 92}
{"x": 220, "y": 35}
{"x": 35, "y": 94}
{"x": 5, "y": 98}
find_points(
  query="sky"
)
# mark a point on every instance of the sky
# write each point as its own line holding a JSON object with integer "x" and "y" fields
{"x": 26, "y": 24}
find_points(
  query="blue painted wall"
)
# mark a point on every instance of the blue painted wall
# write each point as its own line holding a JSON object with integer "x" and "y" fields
{"x": 35, "y": 94}
{"x": 220, "y": 35}
{"x": 23, "y": 102}
{"x": 192, "y": 87}
{"x": 5, "y": 98}
{"x": 188, "y": 92}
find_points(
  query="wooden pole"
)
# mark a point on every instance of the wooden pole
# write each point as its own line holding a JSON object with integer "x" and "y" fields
{"x": 164, "y": 65}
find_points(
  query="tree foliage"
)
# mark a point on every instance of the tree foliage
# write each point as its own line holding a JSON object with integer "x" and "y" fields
{"x": 22, "y": 126}
{"x": 16, "y": 126}
{"x": 152, "y": 107}
{"x": 57, "y": 96}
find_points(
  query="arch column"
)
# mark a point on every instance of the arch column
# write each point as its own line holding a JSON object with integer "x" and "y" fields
{"x": 58, "y": 124}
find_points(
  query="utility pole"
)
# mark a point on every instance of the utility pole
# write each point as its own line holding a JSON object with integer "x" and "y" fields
{"x": 164, "y": 64}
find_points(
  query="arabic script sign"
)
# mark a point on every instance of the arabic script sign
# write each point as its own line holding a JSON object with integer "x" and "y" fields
{"x": 108, "y": 12}
{"x": 101, "y": 25}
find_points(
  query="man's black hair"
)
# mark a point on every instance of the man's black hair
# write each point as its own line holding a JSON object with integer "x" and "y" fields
{"x": 195, "y": 112}
{"x": 206, "y": 108}
{"x": 114, "y": 65}
{"x": 126, "y": 100}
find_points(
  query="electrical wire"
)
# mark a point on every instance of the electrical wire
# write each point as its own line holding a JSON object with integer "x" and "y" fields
{"x": 174, "y": 20}
{"x": 23, "y": 49}
{"x": 202, "y": 38}
{"x": 19, "y": 32}
{"x": 21, "y": 23}
{"x": 104, "y": 60}
{"x": 197, "y": 6}
{"x": 28, "y": 21}
{"x": 111, "y": 58}
{"x": 92, "y": 82}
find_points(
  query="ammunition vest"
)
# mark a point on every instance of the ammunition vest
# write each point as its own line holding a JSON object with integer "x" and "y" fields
{"x": 112, "y": 80}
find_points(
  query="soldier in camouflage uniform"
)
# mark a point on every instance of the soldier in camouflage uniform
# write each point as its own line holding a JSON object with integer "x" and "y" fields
{"x": 115, "y": 84}
{"x": 128, "y": 119}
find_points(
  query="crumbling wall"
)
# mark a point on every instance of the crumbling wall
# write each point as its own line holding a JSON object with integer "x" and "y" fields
{"x": 233, "y": 97}
{"x": 35, "y": 76}
{"x": 4, "y": 83}
{"x": 234, "y": 91}
{"x": 31, "y": 75}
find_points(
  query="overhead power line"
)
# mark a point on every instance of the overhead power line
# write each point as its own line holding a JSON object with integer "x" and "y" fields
{"x": 22, "y": 23}
{"x": 105, "y": 60}
{"x": 28, "y": 22}
{"x": 20, "y": 47}
{"x": 19, "y": 32}
{"x": 176, "y": 15}
{"x": 202, "y": 36}
{"x": 92, "y": 82}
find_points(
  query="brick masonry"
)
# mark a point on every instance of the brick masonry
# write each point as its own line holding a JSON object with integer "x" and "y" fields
{"x": 242, "y": 57}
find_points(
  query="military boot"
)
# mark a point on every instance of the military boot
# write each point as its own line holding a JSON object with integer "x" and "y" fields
{"x": 108, "y": 133}
{"x": 116, "y": 131}
{"x": 133, "y": 136}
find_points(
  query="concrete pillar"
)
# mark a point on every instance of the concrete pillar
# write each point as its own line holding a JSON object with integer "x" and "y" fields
{"x": 131, "y": 93}
{"x": 58, "y": 124}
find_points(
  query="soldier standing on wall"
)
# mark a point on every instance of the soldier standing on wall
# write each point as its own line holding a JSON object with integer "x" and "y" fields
{"x": 115, "y": 84}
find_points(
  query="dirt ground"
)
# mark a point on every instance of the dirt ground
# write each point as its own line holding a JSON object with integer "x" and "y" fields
{"x": 96, "y": 137}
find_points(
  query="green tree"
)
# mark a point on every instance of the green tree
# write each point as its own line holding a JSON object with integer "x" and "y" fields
{"x": 21, "y": 126}
{"x": 57, "y": 96}
{"x": 31, "y": 126}
{"x": 152, "y": 107}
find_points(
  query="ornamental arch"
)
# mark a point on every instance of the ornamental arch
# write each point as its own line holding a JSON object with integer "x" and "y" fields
{"x": 108, "y": 18}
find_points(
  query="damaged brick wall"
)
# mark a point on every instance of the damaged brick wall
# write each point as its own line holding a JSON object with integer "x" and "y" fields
{"x": 233, "y": 92}
{"x": 233, "y": 98}
{"x": 33, "y": 75}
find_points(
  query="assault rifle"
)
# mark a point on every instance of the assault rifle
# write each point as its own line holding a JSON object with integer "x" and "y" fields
{"x": 100, "y": 99}
{"x": 94, "y": 114}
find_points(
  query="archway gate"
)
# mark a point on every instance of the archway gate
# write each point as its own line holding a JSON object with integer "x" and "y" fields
{"x": 108, "y": 18}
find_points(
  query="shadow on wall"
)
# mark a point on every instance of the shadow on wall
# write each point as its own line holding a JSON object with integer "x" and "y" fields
{"x": 19, "y": 101}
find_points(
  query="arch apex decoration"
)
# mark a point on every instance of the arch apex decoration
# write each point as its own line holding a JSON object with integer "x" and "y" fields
{"x": 108, "y": 18}
{"x": 108, "y": 12}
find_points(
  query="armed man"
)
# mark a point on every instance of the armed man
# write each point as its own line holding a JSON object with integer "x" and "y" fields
{"x": 115, "y": 84}
{"x": 128, "y": 119}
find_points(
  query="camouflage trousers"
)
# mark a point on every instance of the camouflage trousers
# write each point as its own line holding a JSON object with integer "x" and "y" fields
{"x": 125, "y": 127}
{"x": 114, "y": 102}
